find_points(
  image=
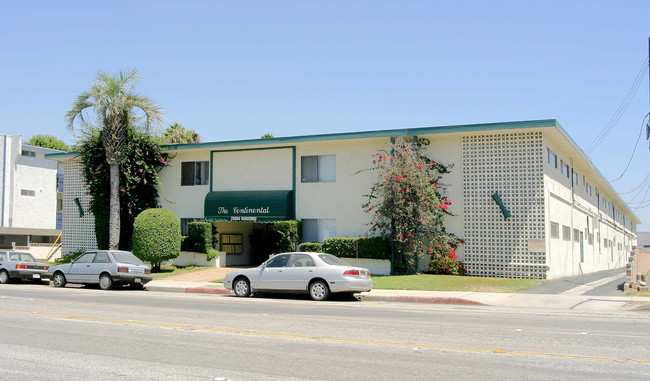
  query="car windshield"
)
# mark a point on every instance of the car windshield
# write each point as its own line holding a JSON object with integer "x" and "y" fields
{"x": 127, "y": 258}
{"x": 22, "y": 257}
{"x": 332, "y": 260}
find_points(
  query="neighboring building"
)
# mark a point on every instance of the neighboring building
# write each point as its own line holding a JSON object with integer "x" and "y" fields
{"x": 643, "y": 239}
{"x": 30, "y": 195}
{"x": 565, "y": 217}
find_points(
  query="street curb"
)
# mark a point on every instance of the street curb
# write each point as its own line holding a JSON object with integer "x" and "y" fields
{"x": 367, "y": 297}
{"x": 203, "y": 290}
{"x": 420, "y": 299}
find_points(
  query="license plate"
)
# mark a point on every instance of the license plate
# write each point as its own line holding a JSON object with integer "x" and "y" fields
{"x": 138, "y": 280}
{"x": 36, "y": 276}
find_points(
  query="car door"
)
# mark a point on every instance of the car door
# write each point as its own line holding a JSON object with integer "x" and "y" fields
{"x": 100, "y": 263}
{"x": 272, "y": 274}
{"x": 80, "y": 270}
{"x": 299, "y": 272}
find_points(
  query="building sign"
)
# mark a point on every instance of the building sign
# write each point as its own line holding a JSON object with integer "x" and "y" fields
{"x": 249, "y": 206}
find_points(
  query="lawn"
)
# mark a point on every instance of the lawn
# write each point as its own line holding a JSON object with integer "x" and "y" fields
{"x": 169, "y": 270}
{"x": 427, "y": 282}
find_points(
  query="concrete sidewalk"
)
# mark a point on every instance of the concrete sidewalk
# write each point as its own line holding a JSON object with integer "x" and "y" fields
{"x": 558, "y": 301}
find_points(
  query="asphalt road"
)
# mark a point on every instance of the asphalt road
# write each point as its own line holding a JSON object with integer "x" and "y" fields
{"x": 80, "y": 334}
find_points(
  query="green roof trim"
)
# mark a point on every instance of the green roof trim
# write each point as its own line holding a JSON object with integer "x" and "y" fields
{"x": 370, "y": 134}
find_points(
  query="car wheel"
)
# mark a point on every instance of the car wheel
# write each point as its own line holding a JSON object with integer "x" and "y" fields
{"x": 4, "y": 277}
{"x": 318, "y": 290}
{"x": 59, "y": 280}
{"x": 242, "y": 287}
{"x": 105, "y": 282}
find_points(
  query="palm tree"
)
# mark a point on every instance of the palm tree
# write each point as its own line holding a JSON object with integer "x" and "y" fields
{"x": 177, "y": 134}
{"x": 115, "y": 106}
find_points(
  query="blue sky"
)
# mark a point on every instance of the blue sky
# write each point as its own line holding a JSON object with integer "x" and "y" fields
{"x": 236, "y": 70}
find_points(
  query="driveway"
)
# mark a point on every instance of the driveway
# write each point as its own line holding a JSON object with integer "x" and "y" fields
{"x": 601, "y": 283}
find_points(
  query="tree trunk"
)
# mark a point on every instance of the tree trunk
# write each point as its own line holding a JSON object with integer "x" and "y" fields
{"x": 114, "y": 216}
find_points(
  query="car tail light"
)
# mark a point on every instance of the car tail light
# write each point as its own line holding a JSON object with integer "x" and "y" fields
{"x": 21, "y": 266}
{"x": 47, "y": 267}
{"x": 122, "y": 269}
{"x": 147, "y": 271}
{"x": 352, "y": 272}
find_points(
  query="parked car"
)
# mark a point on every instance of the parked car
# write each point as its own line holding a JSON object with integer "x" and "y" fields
{"x": 318, "y": 274}
{"x": 104, "y": 267}
{"x": 17, "y": 265}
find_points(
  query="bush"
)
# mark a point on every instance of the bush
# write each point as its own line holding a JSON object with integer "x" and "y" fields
{"x": 367, "y": 247}
{"x": 374, "y": 247}
{"x": 445, "y": 264}
{"x": 285, "y": 236}
{"x": 313, "y": 247}
{"x": 341, "y": 246}
{"x": 199, "y": 237}
{"x": 156, "y": 236}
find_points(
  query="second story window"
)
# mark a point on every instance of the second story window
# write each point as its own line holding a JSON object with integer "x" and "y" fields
{"x": 29, "y": 153}
{"x": 315, "y": 169}
{"x": 565, "y": 169}
{"x": 195, "y": 172}
{"x": 27, "y": 192}
{"x": 552, "y": 158}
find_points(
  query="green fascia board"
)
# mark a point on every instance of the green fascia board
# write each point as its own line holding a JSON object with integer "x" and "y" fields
{"x": 249, "y": 206}
{"x": 370, "y": 134}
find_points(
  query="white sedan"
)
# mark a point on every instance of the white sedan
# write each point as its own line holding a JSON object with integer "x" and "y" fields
{"x": 318, "y": 274}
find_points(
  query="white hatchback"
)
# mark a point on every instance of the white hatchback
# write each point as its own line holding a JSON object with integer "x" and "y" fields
{"x": 318, "y": 274}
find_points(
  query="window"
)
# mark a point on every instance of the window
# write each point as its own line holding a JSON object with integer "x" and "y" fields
{"x": 566, "y": 233}
{"x": 555, "y": 230}
{"x": 590, "y": 238}
{"x": 576, "y": 235}
{"x": 552, "y": 158}
{"x": 231, "y": 243}
{"x": 302, "y": 260}
{"x": 588, "y": 189}
{"x": 101, "y": 258}
{"x": 195, "y": 172}
{"x": 29, "y": 153}
{"x": 575, "y": 178}
{"x": 27, "y": 192}
{"x": 86, "y": 258}
{"x": 565, "y": 169}
{"x": 185, "y": 224}
{"x": 605, "y": 243}
{"x": 279, "y": 261}
{"x": 317, "y": 230}
{"x": 315, "y": 169}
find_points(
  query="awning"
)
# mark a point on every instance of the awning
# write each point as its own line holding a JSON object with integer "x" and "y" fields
{"x": 249, "y": 206}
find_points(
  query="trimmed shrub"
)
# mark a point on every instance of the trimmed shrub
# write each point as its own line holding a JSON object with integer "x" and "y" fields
{"x": 348, "y": 247}
{"x": 374, "y": 247}
{"x": 341, "y": 246}
{"x": 285, "y": 236}
{"x": 156, "y": 236}
{"x": 199, "y": 237}
{"x": 313, "y": 247}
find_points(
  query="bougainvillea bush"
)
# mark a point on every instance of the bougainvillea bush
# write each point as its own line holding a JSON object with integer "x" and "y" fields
{"x": 406, "y": 202}
{"x": 143, "y": 160}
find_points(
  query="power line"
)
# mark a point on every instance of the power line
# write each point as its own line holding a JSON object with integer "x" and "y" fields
{"x": 643, "y": 127}
{"x": 621, "y": 108}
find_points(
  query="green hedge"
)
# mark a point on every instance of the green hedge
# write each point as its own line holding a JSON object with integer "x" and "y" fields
{"x": 199, "y": 237}
{"x": 285, "y": 235}
{"x": 313, "y": 247}
{"x": 368, "y": 247}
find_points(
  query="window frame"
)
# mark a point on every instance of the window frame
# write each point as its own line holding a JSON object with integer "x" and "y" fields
{"x": 316, "y": 177}
{"x": 230, "y": 246}
{"x": 553, "y": 155}
{"x": 196, "y": 173}
{"x": 555, "y": 230}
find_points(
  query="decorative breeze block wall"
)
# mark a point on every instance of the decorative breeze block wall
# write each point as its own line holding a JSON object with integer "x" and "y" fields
{"x": 513, "y": 165}
{"x": 78, "y": 232}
